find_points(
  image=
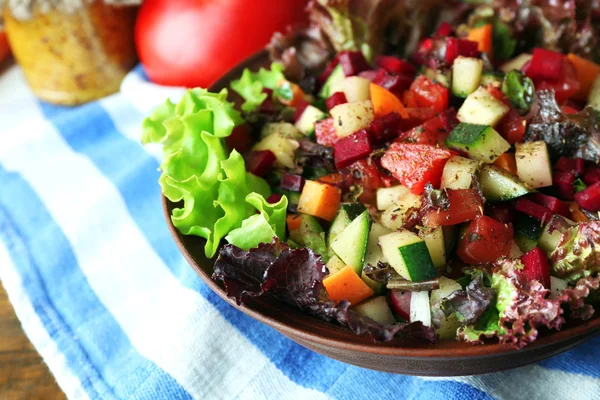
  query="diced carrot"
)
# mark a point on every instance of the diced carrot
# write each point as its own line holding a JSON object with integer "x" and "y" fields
{"x": 385, "y": 102}
{"x": 576, "y": 214}
{"x": 483, "y": 36}
{"x": 507, "y": 162}
{"x": 332, "y": 179}
{"x": 297, "y": 93}
{"x": 319, "y": 200}
{"x": 408, "y": 98}
{"x": 347, "y": 285}
{"x": 587, "y": 71}
{"x": 293, "y": 222}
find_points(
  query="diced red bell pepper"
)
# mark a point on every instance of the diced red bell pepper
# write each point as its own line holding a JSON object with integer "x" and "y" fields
{"x": 415, "y": 164}
{"x": 274, "y": 198}
{"x": 385, "y": 128}
{"x": 240, "y": 139}
{"x": 328, "y": 70}
{"x": 400, "y": 302}
{"x": 546, "y": 64}
{"x": 335, "y": 100}
{"x": 536, "y": 266}
{"x": 533, "y": 210}
{"x": 502, "y": 212}
{"x": 465, "y": 205}
{"x": 429, "y": 95}
{"x": 300, "y": 109}
{"x": 460, "y": 47}
{"x": 563, "y": 184}
{"x": 352, "y": 148}
{"x": 445, "y": 29}
{"x": 564, "y": 88}
{"x": 392, "y": 82}
{"x": 353, "y": 62}
{"x": 291, "y": 182}
{"x": 512, "y": 127}
{"x": 564, "y": 164}
{"x": 395, "y": 65}
{"x": 591, "y": 175}
{"x": 589, "y": 198}
{"x": 325, "y": 132}
{"x": 260, "y": 162}
{"x": 552, "y": 203}
{"x": 485, "y": 241}
{"x": 579, "y": 166}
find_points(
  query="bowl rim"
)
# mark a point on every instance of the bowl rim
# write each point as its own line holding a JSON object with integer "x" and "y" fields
{"x": 458, "y": 350}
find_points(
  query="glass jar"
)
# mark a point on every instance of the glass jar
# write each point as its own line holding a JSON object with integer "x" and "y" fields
{"x": 72, "y": 55}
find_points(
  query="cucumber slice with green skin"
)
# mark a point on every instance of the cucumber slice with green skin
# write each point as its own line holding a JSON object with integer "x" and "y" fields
{"x": 450, "y": 237}
{"x": 450, "y": 324}
{"x": 458, "y": 173}
{"x": 408, "y": 255}
{"x": 353, "y": 210}
{"x": 434, "y": 240}
{"x": 480, "y": 142}
{"x": 354, "y": 88}
{"x": 466, "y": 75}
{"x": 527, "y": 232}
{"x": 374, "y": 255}
{"x": 516, "y": 63}
{"x": 499, "y": 185}
{"x": 594, "y": 96}
{"x": 552, "y": 232}
{"x": 387, "y": 197}
{"x": 350, "y": 245}
{"x": 311, "y": 235}
{"x": 533, "y": 163}
{"x": 377, "y": 287}
{"x": 481, "y": 108}
{"x": 438, "y": 76}
{"x": 336, "y": 77}
{"x": 306, "y": 122}
{"x": 339, "y": 223}
{"x": 420, "y": 309}
{"x": 491, "y": 78}
{"x": 377, "y": 309}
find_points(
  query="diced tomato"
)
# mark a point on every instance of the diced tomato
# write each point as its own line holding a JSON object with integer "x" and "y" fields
{"x": 429, "y": 95}
{"x": 485, "y": 241}
{"x": 536, "y": 266}
{"x": 240, "y": 139}
{"x": 395, "y": 65}
{"x": 445, "y": 29}
{"x": 512, "y": 127}
{"x": 465, "y": 205}
{"x": 325, "y": 132}
{"x": 409, "y": 100}
{"x": 546, "y": 65}
{"x": 366, "y": 174}
{"x": 415, "y": 164}
{"x": 567, "y": 109}
{"x": 430, "y": 132}
{"x": 497, "y": 93}
{"x": 420, "y": 115}
{"x": 565, "y": 87}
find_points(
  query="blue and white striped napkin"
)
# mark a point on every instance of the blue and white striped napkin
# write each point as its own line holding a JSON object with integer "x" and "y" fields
{"x": 116, "y": 312}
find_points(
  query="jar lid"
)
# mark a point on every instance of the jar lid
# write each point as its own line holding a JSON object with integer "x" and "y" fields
{"x": 23, "y": 9}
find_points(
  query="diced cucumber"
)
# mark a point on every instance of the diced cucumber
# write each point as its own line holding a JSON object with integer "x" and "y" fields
{"x": 353, "y": 210}
{"x": 458, "y": 173}
{"x": 557, "y": 284}
{"x": 491, "y": 78}
{"x": 336, "y": 76}
{"x": 594, "y": 96}
{"x": 355, "y": 88}
{"x": 533, "y": 163}
{"x": 420, "y": 309}
{"x": 441, "y": 77}
{"x": 339, "y": 223}
{"x": 306, "y": 122}
{"x": 466, "y": 75}
{"x": 374, "y": 254}
{"x": 310, "y": 234}
{"x": 285, "y": 129}
{"x": 350, "y": 245}
{"x": 515, "y": 251}
{"x": 480, "y": 142}
{"x": 481, "y": 108}
{"x": 447, "y": 287}
{"x": 516, "y": 63}
{"x": 387, "y": 197}
{"x": 351, "y": 117}
{"x": 434, "y": 240}
{"x": 393, "y": 218}
{"x": 408, "y": 255}
{"x": 499, "y": 185}
{"x": 334, "y": 265}
{"x": 377, "y": 309}
{"x": 527, "y": 232}
{"x": 283, "y": 148}
{"x": 552, "y": 232}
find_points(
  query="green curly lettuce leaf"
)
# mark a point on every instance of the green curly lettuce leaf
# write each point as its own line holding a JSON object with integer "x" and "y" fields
{"x": 251, "y": 84}
{"x": 577, "y": 254}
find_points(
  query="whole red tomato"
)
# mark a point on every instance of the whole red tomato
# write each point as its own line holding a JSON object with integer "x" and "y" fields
{"x": 193, "y": 42}
{"x": 4, "y": 49}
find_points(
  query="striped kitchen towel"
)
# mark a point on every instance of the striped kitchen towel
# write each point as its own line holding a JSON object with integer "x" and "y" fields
{"x": 109, "y": 302}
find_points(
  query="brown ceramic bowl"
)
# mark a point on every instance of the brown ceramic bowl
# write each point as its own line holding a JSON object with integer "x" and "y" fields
{"x": 445, "y": 358}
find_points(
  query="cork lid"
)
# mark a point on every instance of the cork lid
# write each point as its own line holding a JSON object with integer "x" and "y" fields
{"x": 23, "y": 9}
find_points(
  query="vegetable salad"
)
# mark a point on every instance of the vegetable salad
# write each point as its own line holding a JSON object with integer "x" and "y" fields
{"x": 451, "y": 194}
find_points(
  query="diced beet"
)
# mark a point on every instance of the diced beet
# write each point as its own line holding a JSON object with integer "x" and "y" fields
{"x": 369, "y": 74}
{"x": 400, "y": 302}
{"x": 545, "y": 64}
{"x": 445, "y": 29}
{"x": 591, "y": 175}
{"x": 352, "y": 148}
{"x": 325, "y": 132}
{"x": 589, "y": 198}
{"x": 268, "y": 92}
{"x": 385, "y": 128}
{"x": 502, "y": 212}
{"x": 291, "y": 182}
{"x": 335, "y": 100}
{"x": 564, "y": 164}
{"x": 267, "y": 106}
{"x": 328, "y": 70}
{"x": 563, "y": 183}
{"x": 395, "y": 65}
{"x": 274, "y": 198}
{"x": 536, "y": 266}
{"x": 240, "y": 139}
{"x": 392, "y": 82}
{"x": 353, "y": 62}
{"x": 460, "y": 47}
{"x": 579, "y": 166}
{"x": 552, "y": 203}
{"x": 300, "y": 109}
{"x": 449, "y": 119}
{"x": 533, "y": 210}
{"x": 260, "y": 162}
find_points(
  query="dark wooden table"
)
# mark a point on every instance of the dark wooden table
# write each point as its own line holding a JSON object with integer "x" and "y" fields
{"x": 23, "y": 374}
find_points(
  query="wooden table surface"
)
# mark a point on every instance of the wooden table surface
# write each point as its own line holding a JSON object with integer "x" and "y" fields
{"x": 23, "y": 374}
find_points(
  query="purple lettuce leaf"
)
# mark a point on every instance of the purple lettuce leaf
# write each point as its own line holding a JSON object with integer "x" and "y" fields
{"x": 382, "y": 272}
{"x": 295, "y": 276}
{"x": 470, "y": 304}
